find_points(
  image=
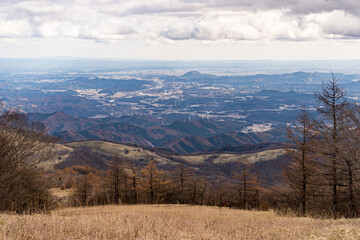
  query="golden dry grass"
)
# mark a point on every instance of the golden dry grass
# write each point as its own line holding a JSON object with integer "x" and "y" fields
{"x": 108, "y": 148}
{"x": 61, "y": 153}
{"x": 58, "y": 153}
{"x": 171, "y": 222}
{"x": 113, "y": 149}
{"x": 234, "y": 157}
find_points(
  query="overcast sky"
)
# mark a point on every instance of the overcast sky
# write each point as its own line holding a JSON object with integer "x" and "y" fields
{"x": 181, "y": 29}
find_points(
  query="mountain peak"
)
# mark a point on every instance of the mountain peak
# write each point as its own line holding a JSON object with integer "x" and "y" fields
{"x": 197, "y": 75}
{"x": 192, "y": 74}
{"x": 60, "y": 114}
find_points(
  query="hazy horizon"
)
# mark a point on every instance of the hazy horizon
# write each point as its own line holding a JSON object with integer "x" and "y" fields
{"x": 176, "y": 67}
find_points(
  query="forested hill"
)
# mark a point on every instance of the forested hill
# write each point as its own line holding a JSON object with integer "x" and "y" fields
{"x": 181, "y": 136}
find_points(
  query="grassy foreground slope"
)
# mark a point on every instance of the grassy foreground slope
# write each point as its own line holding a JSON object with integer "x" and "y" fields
{"x": 171, "y": 222}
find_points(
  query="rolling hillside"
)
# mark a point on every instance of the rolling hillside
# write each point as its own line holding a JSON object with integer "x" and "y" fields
{"x": 98, "y": 154}
{"x": 60, "y": 121}
{"x": 195, "y": 136}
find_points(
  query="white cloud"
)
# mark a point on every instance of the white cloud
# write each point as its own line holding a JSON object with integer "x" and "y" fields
{"x": 211, "y": 20}
{"x": 262, "y": 25}
{"x": 15, "y": 28}
{"x": 338, "y": 24}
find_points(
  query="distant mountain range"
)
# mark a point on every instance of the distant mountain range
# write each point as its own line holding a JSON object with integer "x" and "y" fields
{"x": 198, "y": 135}
{"x": 297, "y": 78}
{"x": 97, "y": 83}
{"x": 193, "y": 144}
{"x": 150, "y": 110}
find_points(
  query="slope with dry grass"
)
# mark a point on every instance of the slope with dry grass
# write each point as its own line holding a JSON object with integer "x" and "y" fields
{"x": 171, "y": 222}
{"x": 132, "y": 153}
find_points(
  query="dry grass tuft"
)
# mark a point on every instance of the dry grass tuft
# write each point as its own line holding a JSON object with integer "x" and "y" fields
{"x": 171, "y": 222}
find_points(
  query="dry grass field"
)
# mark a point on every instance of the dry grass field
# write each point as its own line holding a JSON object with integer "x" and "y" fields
{"x": 171, "y": 222}
{"x": 233, "y": 157}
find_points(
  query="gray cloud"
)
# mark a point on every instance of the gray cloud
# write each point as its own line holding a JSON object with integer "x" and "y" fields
{"x": 295, "y": 6}
{"x": 211, "y": 20}
{"x": 273, "y": 25}
{"x": 59, "y": 19}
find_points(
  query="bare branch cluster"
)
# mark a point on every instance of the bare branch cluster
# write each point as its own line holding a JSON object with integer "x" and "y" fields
{"x": 23, "y": 144}
{"x": 326, "y": 160}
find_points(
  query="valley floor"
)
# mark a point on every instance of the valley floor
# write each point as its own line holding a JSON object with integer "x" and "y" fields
{"x": 171, "y": 222}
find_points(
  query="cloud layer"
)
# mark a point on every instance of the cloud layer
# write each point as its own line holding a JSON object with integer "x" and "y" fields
{"x": 171, "y": 20}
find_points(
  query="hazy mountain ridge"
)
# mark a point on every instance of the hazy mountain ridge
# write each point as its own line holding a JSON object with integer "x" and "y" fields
{"x": 60, "y": 121}
{"x": 198, "y": 144}
{"x": 108, "y": 85}
{"x": 179, "y": 136}
{"x": 298, "y": 78}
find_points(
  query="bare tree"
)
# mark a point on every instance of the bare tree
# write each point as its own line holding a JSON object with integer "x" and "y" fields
{"x": 153, "y": 183}
{"x": 200, "y": 186}
{"x": 302, "y": 174}
{"x": 113, "y": 179}
{"x": 349, "y": 153}
{"x": 134, "y": 175}
{"x": 243, "y": 181}
{"x": 182, "y": 177}
{"x": 23, "y": 144}
{"x": 332, "y": 104}
{"x": 86, "y": 184}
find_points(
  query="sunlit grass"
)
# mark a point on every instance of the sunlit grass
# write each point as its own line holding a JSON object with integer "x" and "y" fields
{"x": 171, "y": 222}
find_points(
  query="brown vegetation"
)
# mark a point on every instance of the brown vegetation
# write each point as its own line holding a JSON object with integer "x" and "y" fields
{"x": 323, "y": 175}
{"x": 23, "y": 145}
{"x": 171, "y": 222}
